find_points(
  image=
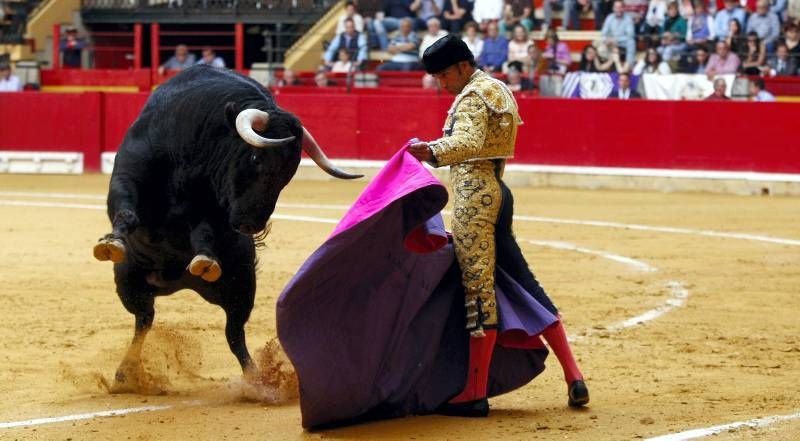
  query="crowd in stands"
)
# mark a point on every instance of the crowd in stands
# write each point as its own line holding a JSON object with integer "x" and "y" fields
{"x": 751, "y": 37}
{"x": 712, "y": 37}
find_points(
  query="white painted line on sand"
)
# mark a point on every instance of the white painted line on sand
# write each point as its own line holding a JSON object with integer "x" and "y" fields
{"x": 677, "y": 289}
{"x": 324, "y": 220}
{"x": 82, "y": 416}
{"x": 523, "y": 218}
{"x": 636, "y": 264}
{"x": 678, "y": 295}
{"x": 714, "y": 430}
{"x": 675, "y": 230}
{"x": 36, "y": 194}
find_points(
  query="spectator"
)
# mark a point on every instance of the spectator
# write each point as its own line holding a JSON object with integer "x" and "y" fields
{"x": 719, "y": 91}
{"x": 426, "y": 10}
{"x": 624, "y": 91}
{"x": 516, "y": 82}
{"x": 568, "y": 18}
{"x": 777, "y": 7}
{"x": 353, "y": 41}
{"x": 673, "y": 33}
{"x": 71, "y": 48}
{"x": 487, "y": 11}
{"x": 182, "y": 59}
{"x": 209, "y": 57}
{"x": 536, "y": 64}
{"x": 556, "y": 53}
{"x": 722, "y": 62}
{"x": 351, "y": 13}
{"x": 8, "y": 82}
{"x": 765, "y": 24}
{"x": 792, "y": 40}
{"x": 695, "y": 63}
{"x": 758, "y": 93}
{"x": 589, "y": 60}
{"x": 518, "y": 46}
{"x": 388, "y": 20}
{"x": 517, "y": 12}
{"x": 403, "y": 49}
{"x": 651, "y": 64}
{"x": 495, "y": 50}
{"x": 343, "y": 63}
{"x": 456, "y": 14}
{"x": 753, "y": 56}
{"x": 636, "y": 10}
{"x": 781, "y": 65}
{"x": 616, "y": 62}
{"x": 288, "y": 79}
{"x": 654, "y": 21}
{"x": 321, "y": 79}
{"x": 473, "y": 39}
{"x": 686, "y": 8}
{"x": 722, "y": 20}
{"x": 700, "y": 27}
{"x": 734, "y": 36}
{"x": 429, "y": 82}
{"x": 434, "y": 33}
{"x": 618, "y": 29}
{"x": 793, "y": 12}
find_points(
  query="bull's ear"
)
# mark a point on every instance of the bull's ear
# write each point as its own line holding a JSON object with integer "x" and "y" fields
{"x": 231, "y": 112}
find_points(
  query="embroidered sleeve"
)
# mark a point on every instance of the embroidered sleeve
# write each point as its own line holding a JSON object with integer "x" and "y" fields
{"x": 469, "y": 133}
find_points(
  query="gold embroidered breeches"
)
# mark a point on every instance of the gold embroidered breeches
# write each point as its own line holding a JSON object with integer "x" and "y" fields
{"x": 477, "y": 200}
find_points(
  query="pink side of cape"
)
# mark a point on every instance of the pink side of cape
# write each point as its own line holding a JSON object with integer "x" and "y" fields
{"x": 401, "y": 175}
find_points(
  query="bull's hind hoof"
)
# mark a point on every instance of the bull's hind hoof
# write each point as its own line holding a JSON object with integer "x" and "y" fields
{"x": 206, "y": 268}
{"x": 109, "y": 248}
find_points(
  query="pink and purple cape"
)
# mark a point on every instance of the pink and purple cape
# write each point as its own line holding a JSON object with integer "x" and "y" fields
{"x": 374, "y": 320}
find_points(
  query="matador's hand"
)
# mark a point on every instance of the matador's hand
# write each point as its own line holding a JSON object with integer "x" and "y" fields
{"x": 421, "y": 151}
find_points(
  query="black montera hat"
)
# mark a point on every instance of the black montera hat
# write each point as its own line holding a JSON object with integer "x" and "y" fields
{"x": 444, "y": 53}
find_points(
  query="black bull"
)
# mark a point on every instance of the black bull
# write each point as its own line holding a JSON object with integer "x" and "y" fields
{"x": 193, "y": 181}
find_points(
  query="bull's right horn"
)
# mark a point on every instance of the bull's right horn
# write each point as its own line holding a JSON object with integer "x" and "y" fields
{"x": 250, "y": 120}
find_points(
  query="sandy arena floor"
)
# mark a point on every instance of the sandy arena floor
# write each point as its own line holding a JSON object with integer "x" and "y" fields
{"x": 725, "y": 347}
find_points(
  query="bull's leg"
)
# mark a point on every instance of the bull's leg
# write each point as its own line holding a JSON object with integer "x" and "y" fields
{"x": 122, "y": 198}
{"x": 234, "y": 333}
{"x": 137, "y": 297}
{"x": 204, "y": 264}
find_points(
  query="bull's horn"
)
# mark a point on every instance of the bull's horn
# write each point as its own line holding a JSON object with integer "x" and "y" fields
{"x": 250, "y": 120}
{"x": 314, "y": 151}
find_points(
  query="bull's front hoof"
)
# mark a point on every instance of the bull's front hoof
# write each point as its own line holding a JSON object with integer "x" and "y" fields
{"x": 109, "y": 248}
{"x": 205, "y": 267}
{"x": 132, "y": 378}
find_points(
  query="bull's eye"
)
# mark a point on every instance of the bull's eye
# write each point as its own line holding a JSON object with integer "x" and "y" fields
{"x": 254, "y": 159}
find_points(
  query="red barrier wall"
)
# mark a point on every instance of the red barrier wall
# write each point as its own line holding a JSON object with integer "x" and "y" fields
{"x": 735, "y": 136}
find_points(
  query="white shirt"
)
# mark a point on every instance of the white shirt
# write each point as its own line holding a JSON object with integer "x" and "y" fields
{"x": 358, "y": 21}
{"x": 487, "y": 10}
{"x": 10, "y": 85}
{"x": 428, "y": 40}
{"x": 476, "y": 47}
{"x": 624, "y": 94}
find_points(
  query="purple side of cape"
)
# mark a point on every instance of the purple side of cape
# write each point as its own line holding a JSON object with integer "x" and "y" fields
{"x": 376, "y": 330}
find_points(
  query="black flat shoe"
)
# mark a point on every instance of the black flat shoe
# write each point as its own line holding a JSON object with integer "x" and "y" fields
{"x": 578, "y": 394}
{"x": 471, "y": 409}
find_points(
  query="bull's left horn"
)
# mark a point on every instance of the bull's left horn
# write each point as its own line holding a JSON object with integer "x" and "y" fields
{"x": 314, "y": 151}
{"x": 250, "y": 120}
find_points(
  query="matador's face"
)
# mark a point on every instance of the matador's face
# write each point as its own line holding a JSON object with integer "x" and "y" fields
{"x": 454, "y": 78}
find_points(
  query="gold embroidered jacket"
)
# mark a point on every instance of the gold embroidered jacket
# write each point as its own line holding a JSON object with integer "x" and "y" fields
{"x": 484, "y": 119}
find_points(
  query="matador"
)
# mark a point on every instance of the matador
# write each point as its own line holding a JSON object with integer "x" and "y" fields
{"x": 479, "y": 135}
